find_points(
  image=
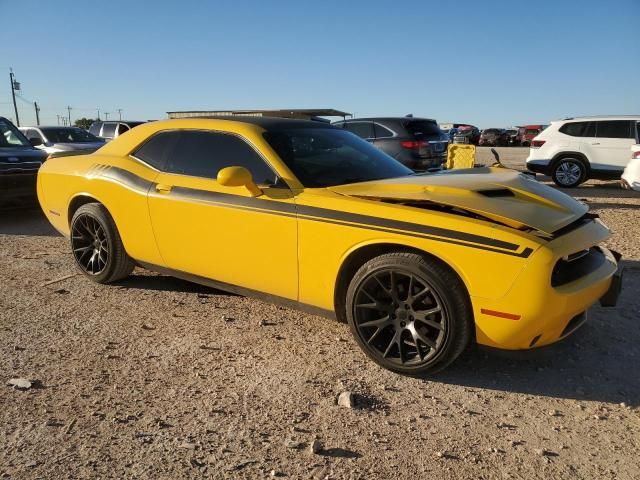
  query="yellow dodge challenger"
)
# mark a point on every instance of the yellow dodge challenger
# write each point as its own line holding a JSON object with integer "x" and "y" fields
{"x": 309, "y": 215}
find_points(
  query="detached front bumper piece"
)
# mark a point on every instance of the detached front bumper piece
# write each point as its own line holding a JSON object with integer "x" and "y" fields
{"x": 610, "y": 298}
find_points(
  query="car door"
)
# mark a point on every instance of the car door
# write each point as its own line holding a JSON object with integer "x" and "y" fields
{"x": 219, "y": 232}
{"x": 611, "y": 145}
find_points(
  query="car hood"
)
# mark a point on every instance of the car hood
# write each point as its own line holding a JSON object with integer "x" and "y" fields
{"x": 499, "y": 194}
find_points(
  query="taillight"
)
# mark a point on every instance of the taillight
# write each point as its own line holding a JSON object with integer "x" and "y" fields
{"x": 636, "y": 155}
{"x": 413, "y": 144}
{"x": 537, "y": 143}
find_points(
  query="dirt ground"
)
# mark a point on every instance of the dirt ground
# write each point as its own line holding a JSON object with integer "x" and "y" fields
{"x": 157, "y": 378}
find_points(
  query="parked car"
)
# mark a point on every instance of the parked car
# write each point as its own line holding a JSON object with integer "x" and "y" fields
{"x": 494, "y": 137}
{"x": 467, "y": 134}
{"x": 311, "y": 216}
{"x": 512, "y": 136}
{"x": 576, "y": 149}
{"x": 631, "y": 175}
{"x": 528, "y": 133}
{"x": 108, "y": 130}
{"x": 415, "y": 142}
{"x": 61, "y": 139}
{"x": 19, "y": 164}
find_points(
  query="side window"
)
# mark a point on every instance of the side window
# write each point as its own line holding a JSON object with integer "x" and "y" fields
{"x": 155, "y": 150}
{"x": 108, "y": 130}
{"x": 614, "y": 129}
{"x": 574, "y": 129}
{"x": 122, "y": 128}
{"x": 382, "y": 132}
{"x": 204, "y": 154}
{"x": 362, "y": 129}
{"x": 339, "y": 124}
{"x": 31, "y": 134}
{"x": 94, "y": 129}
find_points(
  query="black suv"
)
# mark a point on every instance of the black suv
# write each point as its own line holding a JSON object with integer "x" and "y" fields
{"x": 418, "y": 143}
{"x": 19, "y": 165}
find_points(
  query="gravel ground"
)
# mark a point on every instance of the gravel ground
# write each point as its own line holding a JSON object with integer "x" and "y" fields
{"x": 161, "y": 379}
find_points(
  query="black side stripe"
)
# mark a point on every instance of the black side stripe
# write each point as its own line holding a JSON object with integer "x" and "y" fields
{"x": 348, "y": 219}
{"x": 317, "y": 214}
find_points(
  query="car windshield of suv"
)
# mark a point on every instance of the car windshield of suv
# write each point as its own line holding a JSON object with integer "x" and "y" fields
{"x": 68, "y": 135}
{"x": 423, "y": 129}
{"x": 491, "y": 131}
{"x": 325, "y": 157}
{"x": 11, "y": 137}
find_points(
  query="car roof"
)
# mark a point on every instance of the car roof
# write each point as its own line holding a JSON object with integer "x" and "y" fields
{"x": 387, "y": 119}
{"x": 268, "y": 123}
{"x": 603, "y": 117}
{"x": 120, "y": 121}
{"x": 50, "y": 126}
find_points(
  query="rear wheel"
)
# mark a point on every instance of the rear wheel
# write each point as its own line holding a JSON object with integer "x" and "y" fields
{"x": 569, "y": 172}
{"x": 96, "y": 244}
{"x": 408, "y": 313}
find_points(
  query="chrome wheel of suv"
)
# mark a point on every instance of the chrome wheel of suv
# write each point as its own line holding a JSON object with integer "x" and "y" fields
{"x": 568, "y": 173}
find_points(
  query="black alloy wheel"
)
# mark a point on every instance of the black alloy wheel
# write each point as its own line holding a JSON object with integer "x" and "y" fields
{"x": 89, "y": 243}
{"x": 408, "y": 313}
{"x": 400, "y": 316}
{"x": 96, "y": 244}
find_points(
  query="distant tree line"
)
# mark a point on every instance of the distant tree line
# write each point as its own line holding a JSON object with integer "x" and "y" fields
{"x": 84, "y": 123}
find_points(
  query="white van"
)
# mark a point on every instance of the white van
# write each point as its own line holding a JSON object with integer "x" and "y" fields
{"x": 573, "y": 150}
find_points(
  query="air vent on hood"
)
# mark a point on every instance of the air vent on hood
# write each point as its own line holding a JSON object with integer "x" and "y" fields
{"x": 496, "y": 192}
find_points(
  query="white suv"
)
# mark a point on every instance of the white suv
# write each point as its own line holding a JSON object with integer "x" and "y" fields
{"x": 572, "y": 150}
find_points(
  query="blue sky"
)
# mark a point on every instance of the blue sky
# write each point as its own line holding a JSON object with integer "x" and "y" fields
{"x": 488, "y": 63}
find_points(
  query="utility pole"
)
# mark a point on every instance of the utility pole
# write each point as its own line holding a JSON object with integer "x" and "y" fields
{"x": 69, "y": 110}
{"x": 120, "y": 114}
{"x": 106, "y": 115}
{"x": 35, "y": 104}
{"x": 58, "y": 119}
{"x": 14, "y": 84}
{"x": 98, "y": 113}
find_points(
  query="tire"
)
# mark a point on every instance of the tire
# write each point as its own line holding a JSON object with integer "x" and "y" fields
{"x": 390, "y": 324}
{"x": 96, "y": 245}
{"x": 568, "y": 172}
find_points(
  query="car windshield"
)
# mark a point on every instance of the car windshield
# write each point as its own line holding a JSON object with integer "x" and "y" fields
{"x": 491, "y": 131}
{"x": 11, "y": 137}
{"x": 325, "y": 157}
{"x": 68, "y": 135}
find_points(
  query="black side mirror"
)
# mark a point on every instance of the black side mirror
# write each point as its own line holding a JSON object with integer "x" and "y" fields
{"x": 35, "y": 142}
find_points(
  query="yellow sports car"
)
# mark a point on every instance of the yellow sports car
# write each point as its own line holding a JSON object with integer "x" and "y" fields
{"x": 310, "y": 215}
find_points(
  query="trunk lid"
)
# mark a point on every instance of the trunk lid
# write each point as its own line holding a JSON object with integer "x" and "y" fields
{"x": 502, "y": 195}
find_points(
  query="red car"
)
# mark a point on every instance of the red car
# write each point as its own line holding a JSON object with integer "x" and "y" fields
{"x": 528, "y": 133}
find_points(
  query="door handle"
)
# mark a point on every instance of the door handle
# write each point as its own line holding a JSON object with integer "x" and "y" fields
{"x": 161, "y": 188}
{"x": 597, "y": 143}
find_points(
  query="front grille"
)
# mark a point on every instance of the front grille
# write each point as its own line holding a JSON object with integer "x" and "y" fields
{"x": 576, "y": 265}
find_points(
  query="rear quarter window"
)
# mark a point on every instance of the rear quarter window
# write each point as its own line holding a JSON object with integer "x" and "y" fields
{"x": 156, "y": 149}
{"x": 574, "y": 129}
{"x": 108, "y": 130}
{"x": 95, "y": 128}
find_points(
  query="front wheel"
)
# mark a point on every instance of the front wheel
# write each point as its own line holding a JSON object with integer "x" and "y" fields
{"x": 568, "y": 173}
{"x": 96, "y": 244}
{"x": 408, "y": 313}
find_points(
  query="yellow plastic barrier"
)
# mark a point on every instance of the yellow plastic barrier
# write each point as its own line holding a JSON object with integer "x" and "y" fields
{"x": 461, "y": 155}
